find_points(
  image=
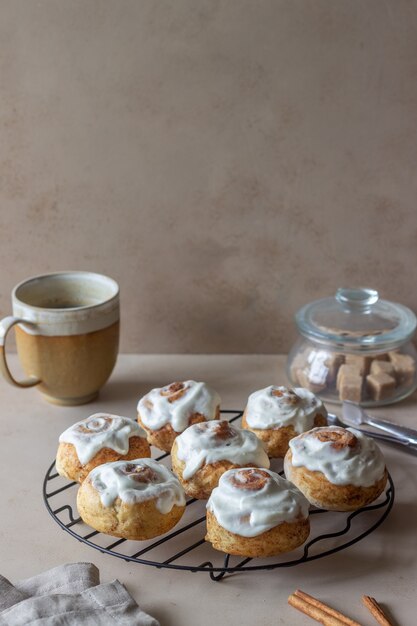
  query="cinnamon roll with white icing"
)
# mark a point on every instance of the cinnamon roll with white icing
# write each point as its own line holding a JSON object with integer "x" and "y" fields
{"x": 256, "y": 513}
{"x": 137, "y": 499}
{"x": 100, "y": 438}
{"x": 165, "y": 412}
{"x": 205, "y": 451}
{"x": 338, "y": 469}
{"x": 276, "y": 414}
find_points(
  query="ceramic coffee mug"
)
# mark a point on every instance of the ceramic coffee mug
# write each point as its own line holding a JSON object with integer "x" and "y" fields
{"x": 67, "y": 334}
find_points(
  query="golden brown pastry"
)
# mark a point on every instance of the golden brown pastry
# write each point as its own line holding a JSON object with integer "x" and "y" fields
{"x": 137, "y": 499}
{"x": 166, "y": 412}
{"x": 336, "y": 468}
{"x": 101, "y": 438}
{"x": 277, "y": 414}
{"x": 203, "y": 452}
{"x": 256, "y": 513}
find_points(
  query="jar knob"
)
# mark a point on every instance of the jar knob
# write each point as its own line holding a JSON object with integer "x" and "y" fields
{"x": 361, "y": 298}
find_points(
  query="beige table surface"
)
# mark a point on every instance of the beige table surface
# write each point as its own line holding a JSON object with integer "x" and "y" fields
{"x": 383, "y": 565}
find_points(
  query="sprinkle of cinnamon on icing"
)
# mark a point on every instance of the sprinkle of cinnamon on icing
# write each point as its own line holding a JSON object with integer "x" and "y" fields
{"x": 220, "y": 429}
{"x": 139, "y": 473}
{"x": 175, "y": 391}
{"x": 289, "y": 396}
{"x": 95, "y": 425}
{"x": 176, "y": 387}
{"x": 223, "y": 430}
{"x": 250, "y": 479}
{"x": 83, "y": 429}
{"x": 339, "y": 438}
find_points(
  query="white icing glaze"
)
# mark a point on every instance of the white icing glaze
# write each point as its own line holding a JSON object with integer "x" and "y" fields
{"x": 361, "y": 465}
{"x": 161, "y": 406}
{"x": 213, "y": 441}
{"x": 274, "y": 407}
{"x": 250, "y": 512}
{"x": 99, "y": 431}
{"x": 137, "y": 481}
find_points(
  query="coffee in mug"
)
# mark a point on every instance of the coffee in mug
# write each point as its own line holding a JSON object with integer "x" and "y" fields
{"x": 67, "y": 334}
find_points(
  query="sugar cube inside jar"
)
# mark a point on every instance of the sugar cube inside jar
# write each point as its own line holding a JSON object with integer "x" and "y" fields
{"x": 355, "y": 346}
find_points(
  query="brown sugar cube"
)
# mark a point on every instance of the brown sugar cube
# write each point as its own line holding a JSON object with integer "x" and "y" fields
{"x": 380, "y": 386}
{"x": 363, "y": 363}
{"x": 350, "y": 388}
{"x": 380, "y": 357}
{"x": 404, "y": 367}
{"x": 333, "y": 362}
{"x": 316, "y": 368}
{"x": 346, "y": 371}
{"x": 322, "y": 367}
{"x": 382, "y": 367}
{"x": 294, "y": 374}
{"x": 298, "y": 364}
{"x": 305, "y": 381}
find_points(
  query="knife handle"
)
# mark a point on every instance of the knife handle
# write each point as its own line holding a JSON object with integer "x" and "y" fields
{"x": 407, "y": 435}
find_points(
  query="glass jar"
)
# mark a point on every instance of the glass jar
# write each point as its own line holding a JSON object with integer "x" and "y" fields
{"x": 355, "y": 346}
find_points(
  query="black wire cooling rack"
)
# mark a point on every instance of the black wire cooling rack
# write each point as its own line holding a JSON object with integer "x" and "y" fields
{"x": 185, "y": 547}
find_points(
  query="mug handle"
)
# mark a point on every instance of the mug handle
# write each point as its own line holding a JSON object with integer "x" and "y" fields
{"x": 5, "y": 325}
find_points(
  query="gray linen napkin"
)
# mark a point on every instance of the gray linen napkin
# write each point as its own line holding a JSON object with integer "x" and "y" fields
{"x": 69, "y": 595}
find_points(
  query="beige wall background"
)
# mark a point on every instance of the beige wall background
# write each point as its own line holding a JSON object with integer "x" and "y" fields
{"x": 226, "y": 160}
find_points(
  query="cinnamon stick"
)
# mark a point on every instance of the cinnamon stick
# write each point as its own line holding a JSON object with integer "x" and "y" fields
{"x": 328, "y": 609}
{"x": 314, "y": 612}
{"x": 376, "y": 611}
{"x": 319, "y": 611}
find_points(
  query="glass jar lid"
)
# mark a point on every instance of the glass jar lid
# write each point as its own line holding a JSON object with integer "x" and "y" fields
{"x": 356, "y": 319}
